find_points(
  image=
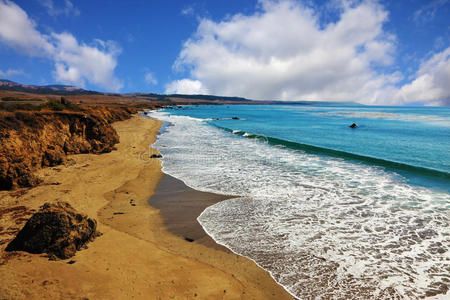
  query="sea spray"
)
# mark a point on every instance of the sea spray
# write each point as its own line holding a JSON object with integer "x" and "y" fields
{"x": 322, "y": 226}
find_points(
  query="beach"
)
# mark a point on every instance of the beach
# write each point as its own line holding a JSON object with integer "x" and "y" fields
{"x": 268, "y": 149}
{"x": 142, "y": 252}
{"x": 357, "y": 219}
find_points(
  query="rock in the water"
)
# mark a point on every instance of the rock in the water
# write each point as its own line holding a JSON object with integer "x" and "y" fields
{"x": 353, "y": 125}
{"x": 235, "y": 118}
{"x": 155, "y": 156}
{"x": 56, "y": 229}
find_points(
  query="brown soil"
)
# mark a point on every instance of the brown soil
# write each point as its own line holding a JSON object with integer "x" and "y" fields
{"x": 30, "y": 140}
{"x": 136, "y": 257}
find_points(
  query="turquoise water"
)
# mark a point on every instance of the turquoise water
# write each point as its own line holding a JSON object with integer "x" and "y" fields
{"x": 328, "y": 211}
{"x": 412, "y": 141}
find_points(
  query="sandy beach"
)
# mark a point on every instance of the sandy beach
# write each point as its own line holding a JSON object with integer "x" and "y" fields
{"x": 155, "y": 251}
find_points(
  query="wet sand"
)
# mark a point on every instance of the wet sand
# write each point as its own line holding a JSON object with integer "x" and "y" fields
{"x": 142, "y": 253}
{"x": 180, "y": 205}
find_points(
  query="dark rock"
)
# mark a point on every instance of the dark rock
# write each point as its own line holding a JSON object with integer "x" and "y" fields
{"x": 353, "y": 125}
{"x": 189, "y": 239}
{"x": 235, "y": 118}
{"x": 56, "y": 229}
{"x": 53, "y": 157}
{"x": 155, "y": 156}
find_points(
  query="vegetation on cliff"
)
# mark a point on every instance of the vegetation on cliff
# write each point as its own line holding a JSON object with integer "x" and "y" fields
{"x": 43, "y": 136}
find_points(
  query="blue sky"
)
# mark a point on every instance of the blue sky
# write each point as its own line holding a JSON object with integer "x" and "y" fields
{"x": 374, "y": 52}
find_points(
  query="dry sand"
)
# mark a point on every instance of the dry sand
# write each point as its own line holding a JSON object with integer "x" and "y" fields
{"x": 136, "y": 257}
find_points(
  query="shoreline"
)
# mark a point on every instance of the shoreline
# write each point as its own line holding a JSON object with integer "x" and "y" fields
{"x": 137, "y": 256}
{"x": 179, "y": 206}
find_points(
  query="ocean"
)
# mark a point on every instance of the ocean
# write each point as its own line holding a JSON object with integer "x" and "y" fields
{"x": 328, "y": 210}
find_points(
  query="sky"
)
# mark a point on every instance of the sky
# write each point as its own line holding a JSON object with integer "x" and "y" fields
{"x": 376, "y": 52}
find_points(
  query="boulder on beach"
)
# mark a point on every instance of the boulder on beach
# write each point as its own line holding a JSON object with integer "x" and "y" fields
{"x": 353, "y": 125}
{"x": 56, "y": 229}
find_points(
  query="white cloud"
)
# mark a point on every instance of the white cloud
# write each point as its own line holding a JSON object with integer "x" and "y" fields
{"x": 432, "y": 81}
{"x": 186, "y": 86}
{"x": 67, "y": 9}
{"x": 150, "y": 78}
{"x": 10, "y": 72}
{"x": 18, "y": 31}
{"x": 188, "y": 11}
{"x": 427, "y": 12}
{"x": 281, "y": 52}
{"x": 439, "y": 43}
{"x": 75, "y": 62}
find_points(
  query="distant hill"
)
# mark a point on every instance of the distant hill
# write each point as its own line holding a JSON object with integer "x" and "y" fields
{"x": 311, "y": 102}
{"x": 56, "y": 89}
{"x": 236, "y": 100}
{"x": 191, "y": 97}
{"x": 166, "y": 99}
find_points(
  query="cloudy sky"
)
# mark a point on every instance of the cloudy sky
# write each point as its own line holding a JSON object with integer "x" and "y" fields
{"x": 374, "y": 52}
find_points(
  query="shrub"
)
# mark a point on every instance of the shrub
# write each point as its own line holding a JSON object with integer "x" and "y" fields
{"x": 18, "y": 106}
{"x": 53, "y": 105}
{"x": 10, "y": 99}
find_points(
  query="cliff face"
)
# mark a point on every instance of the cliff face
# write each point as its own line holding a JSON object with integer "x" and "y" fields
{"x": 32, "y": 140}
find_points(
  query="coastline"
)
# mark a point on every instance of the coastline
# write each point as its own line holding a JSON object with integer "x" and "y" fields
{"x": 137, "y": 256}
{"x": 180, "y": 205}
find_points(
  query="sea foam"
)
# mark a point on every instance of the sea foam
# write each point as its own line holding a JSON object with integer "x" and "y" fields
{"x": 323, "y": 227}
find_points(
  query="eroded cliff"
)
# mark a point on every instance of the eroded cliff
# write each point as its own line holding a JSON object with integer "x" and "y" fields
{"x": 30, "y": 140}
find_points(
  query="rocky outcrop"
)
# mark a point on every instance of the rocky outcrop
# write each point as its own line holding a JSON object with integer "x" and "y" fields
{"x": 30, "y": 140}
{"x": 56, "y": 229}
{"x": 353, "y": 125}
